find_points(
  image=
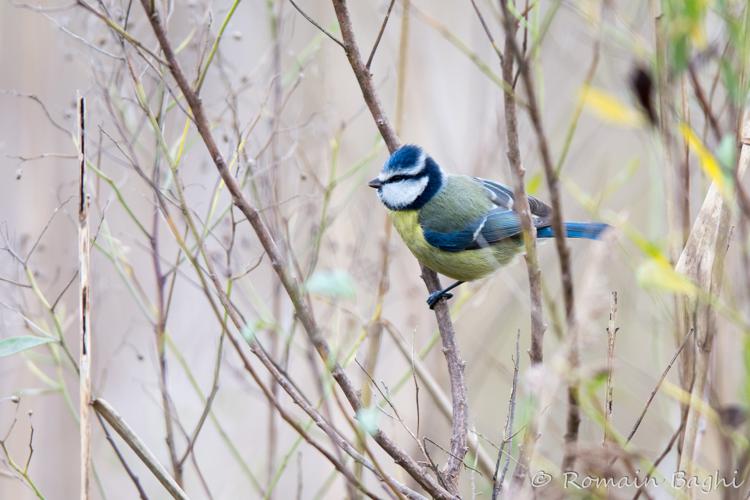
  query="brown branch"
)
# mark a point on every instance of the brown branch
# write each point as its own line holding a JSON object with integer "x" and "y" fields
{"x": 459, "y": 429}
{"x": 277, "y": 260}
{"x": 136, "y": 482}
{"x": 658, "y": 385}
{"x": 84, "y": 259}
{"x": 536, "y": 351}
{"x": 489, "y": 36}
{"x": 704, "y": 104}
{"x": 114, "y": 419}
{"x": 552, "y": 178}
{"x": 521, "y": 202}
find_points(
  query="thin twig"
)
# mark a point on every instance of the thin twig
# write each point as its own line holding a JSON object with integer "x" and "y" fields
{"x": 314, "y": 23}
{"x": 380, "y": 34}
{"x": 489, "y": 35}
{"x": 438, "y": 395}
{"x": 497, "y": 486}
{"x": 121, "y": 458}
{"x": 704, "y": 104}
{"x": 658, "y": 385}
{"x": 612, "y": 330}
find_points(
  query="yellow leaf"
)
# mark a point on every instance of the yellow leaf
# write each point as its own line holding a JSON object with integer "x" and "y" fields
{"x": 656, "y": 273}
{"x": 708, "y": 161}
{"x": 532, "y": 187}
{"x": 609, "y": 108}
{"x": 698, "y": 36}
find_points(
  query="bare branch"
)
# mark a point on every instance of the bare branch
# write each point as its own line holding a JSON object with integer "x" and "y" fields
{"x": 497, "y": 487}
{"x": 314, "y": 23}
{"x": 114, "y": 419}
{"x": 380, "y": 34}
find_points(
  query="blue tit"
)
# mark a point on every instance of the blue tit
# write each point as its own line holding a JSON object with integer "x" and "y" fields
{"x": 459, "y": 226}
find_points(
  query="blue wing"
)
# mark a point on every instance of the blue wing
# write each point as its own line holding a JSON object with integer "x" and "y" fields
{"x": 496, "y": 225}
{"x": 502, "y": 196}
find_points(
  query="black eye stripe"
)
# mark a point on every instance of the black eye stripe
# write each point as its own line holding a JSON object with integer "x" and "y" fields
{"x": 399, "y": 178}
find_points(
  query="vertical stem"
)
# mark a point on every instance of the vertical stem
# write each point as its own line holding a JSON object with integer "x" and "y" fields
{"x": 702, "y": 262}
{"x": 536, "y": 351}
{"x": 611, "y": 334}
{"x": 497, "y": 486}
{"x": 160, "y": 325}
{"x": 276, "y": 102}
{"x": 84, "y": 258}
{"x": 552, "y": 178}
{"x": 521, "y": 201}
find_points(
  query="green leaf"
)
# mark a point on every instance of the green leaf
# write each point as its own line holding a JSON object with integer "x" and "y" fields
{"x": 726, "y": 153}
{"x": 337, "y": 284}
{"x": 14, "y": 345}
{"x": 368, "y": 419}
{"x": 248, "y": 333}
{"x": 731, "y": 82}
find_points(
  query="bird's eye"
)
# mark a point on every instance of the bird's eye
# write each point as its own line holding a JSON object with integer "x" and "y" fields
{"x": 398, "y": 178}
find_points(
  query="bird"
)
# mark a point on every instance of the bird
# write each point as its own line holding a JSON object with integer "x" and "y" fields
{"x": 460, "y": 226}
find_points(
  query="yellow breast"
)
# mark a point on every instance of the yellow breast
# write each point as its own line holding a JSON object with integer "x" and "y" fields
{"x": 465, "y": 266}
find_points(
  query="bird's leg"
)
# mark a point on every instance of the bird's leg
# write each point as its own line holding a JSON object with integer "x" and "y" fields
{"x": 435, "y": 296}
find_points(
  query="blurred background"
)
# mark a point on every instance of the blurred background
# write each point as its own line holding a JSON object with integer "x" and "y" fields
{"x": 286, "y": 109}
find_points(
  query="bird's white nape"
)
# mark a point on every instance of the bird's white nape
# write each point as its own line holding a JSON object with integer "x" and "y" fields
{"x": 397, "y": 195}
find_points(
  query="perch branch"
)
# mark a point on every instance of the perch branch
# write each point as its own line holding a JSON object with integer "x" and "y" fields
{"x": 459, "y": 431}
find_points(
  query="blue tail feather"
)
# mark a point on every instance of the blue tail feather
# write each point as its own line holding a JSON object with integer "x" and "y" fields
{"x": 588, "y": 230}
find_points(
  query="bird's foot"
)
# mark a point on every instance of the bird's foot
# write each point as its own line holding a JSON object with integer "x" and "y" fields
{"x": 434, "y": 297}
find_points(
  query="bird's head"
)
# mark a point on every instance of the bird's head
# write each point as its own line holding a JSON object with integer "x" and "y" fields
{"x": 408, "y": 180}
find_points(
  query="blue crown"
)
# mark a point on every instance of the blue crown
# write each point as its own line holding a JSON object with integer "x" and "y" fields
{"x": 403, "y": 158}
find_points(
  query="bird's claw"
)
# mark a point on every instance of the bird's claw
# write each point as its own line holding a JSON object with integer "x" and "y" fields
{"x": 434, "y": 297}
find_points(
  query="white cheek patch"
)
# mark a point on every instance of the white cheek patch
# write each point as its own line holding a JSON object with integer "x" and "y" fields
{"x": 397, "y": 195}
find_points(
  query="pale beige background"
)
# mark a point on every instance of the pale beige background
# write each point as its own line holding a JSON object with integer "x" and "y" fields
{"x": 452, "y": 109}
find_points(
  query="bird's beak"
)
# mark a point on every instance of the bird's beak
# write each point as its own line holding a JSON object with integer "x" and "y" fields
{"x": 375, "y": 183}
